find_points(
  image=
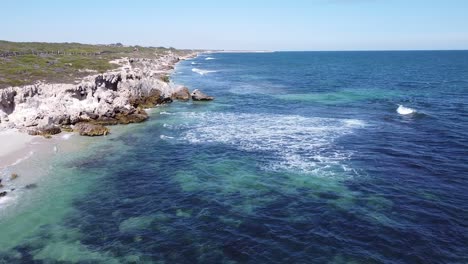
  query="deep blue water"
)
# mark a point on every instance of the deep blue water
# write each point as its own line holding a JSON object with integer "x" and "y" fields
{"x": 301, "y": 158}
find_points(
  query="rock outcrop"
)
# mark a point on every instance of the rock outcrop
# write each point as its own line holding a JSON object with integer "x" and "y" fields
{"x": 45, "y": 131}
{"x": 91, "y": 130}
{"x": 181, "y": 93}
{"x": 114, "y": 97}
{"x": 197, "y": 95}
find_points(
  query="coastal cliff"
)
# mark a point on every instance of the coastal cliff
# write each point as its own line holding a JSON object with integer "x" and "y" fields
{"x": 114, "y": 97}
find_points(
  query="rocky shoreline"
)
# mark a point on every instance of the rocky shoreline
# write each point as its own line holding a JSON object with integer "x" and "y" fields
{"x": 86, "y": 107}
{"x": 115, "y": 97}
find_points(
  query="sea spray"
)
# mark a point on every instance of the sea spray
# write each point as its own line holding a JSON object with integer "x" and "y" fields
{"x": 402, "y": 110}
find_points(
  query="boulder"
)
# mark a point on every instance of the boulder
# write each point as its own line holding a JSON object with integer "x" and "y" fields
{"x": 151, "y": 99}
{"x": 91, "y": 130}
{"x": 137, "y": 116}
{"x": 45, "y": 131}
{"x": 181, "y": 93}
{"x": 122, "y": 116}
{"x": 197, "y": 95}
{"x": 7, "y": 100}
{"x": 3, "y": 194}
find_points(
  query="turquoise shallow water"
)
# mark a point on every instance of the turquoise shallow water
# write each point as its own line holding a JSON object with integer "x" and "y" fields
{"x": 301, "y": 158}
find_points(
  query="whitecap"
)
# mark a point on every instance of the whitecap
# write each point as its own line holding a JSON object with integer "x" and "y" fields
{"x": 402, "y": 110}
{"x": 168, "y": 126}
{"x": 202, "y": 72}
{"x": 165, "y": 113}
{"x": 165, "y": 137}
{"x": 210, "y": 58}
{"x": 287, "y": 142}
{"x": 354, "y": 123}
{"x": 194, "y": 63}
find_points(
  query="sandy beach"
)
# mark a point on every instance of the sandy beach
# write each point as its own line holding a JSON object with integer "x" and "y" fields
{"x": 14, "y": 145}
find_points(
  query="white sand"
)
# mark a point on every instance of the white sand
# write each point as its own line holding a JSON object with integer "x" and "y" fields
{"x": 13, "y": 143}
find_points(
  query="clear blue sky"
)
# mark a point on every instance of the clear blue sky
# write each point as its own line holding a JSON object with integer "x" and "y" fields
{"x": 243, "y": 24}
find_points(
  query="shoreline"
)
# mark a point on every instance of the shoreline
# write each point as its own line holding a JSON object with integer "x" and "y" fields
{"x": 16, "y": 142}
{"x": 18, "y": 146}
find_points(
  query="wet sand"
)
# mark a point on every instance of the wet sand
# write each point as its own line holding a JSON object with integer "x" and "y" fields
{"x": 14, "y": 145}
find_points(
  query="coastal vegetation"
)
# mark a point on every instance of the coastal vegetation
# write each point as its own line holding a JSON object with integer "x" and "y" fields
{"x": 23, "y": 63}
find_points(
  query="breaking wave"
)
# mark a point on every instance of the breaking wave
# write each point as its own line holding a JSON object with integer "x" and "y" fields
{"x": 18, "y": 161}
{"x": 402, "y": 110}
{"x": 210, "y": 58}
{"x": 201, "y": 72}
{"x": 165, "y": 137}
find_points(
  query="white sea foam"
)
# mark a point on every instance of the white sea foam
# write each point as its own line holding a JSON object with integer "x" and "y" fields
{"x": 7, "y": 200}
{"x": 165, "y": 137}
{"x": 201, "y": 72}
{"x": 354, "y": 123}
{"x": 288, "y": 142}
{"x": 165, "y": 113}
{"x": 18, "y": 161}
{"x": 194, "y": 63}
{"x": 405, "y": 110}
{"x": 210, "y": 58}
{"x": 66, "y": 136}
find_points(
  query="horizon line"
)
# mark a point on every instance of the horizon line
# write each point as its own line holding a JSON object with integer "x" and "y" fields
{"x": 344, "y": 50}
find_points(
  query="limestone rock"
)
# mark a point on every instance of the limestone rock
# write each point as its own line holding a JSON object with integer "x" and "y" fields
{"x": 45, "y": 130}
{"x": 148, "y": 100}
{"x": 137, "y": 116}
{"x": 197, "y": 95}
{"x": 181, "y": 93}
{"x": 91, "y": 130}
{"x": 7, "y": 100}
{"x": 97, "y": 98}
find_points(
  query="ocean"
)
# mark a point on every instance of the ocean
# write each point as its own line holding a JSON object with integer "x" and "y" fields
{"x": 303, "y": 157}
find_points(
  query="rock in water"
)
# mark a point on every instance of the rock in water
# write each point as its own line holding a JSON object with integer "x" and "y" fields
{"x": 181, "y": 93}
{"x": 91, "y": 130}
{"x": 14, "y": 176}
{"x": 47, "y": 130}
{"x": 197, "y": 95}
{"x": 31, "y": 186}
{"x": 135, "y": 116}
{"x": 3, "y": 194}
